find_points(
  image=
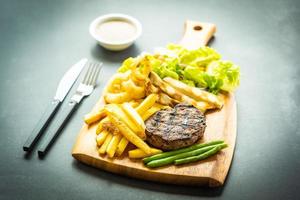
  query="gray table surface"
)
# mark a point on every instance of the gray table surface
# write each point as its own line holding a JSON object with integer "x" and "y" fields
{"x": 39, "y": 40}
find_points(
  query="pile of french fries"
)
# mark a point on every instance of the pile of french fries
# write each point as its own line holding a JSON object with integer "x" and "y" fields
{"x": 121, "y": 124}
{"x": 131, "y": 98}
{"x": 172, "y": 91}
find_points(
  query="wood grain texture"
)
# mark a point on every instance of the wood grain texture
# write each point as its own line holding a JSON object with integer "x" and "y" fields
{"x": 221, "y": 124}
{"x": 197, "y": 34}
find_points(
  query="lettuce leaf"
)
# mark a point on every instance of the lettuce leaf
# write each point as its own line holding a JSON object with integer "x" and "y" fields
{"x": 198, "y": 58}
{"x": 203, "y": 79}
{"x": 189, "y": 82}
{"x": 226, "y": 71}
{"x": 211, "y": 83}
{"x": 166, "y": 67}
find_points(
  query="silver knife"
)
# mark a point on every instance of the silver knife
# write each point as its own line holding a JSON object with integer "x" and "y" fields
{"x": 63, "y": 88}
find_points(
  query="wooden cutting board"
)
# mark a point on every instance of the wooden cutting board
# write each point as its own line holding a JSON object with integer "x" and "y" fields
{"x": 221, "y": 124}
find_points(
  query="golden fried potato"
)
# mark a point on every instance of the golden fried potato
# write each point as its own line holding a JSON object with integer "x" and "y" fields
{"x": 149, "y": 113}
{"x": 116, "y": 111}
{"x": 164, "y": 99}
{"x": 134, "y": 103}
{"x": 129, "y": 134}
{"x": 117, "y": 97}
{"x": 122, "y": 146}
{"x": 101, "y": 124}
{"x": 161, "y": 106}
{"x": 112, "y": 147}
{"x": 151, "y": 89}
{"x": 94, "y": 116}
{"x": 133, "y": 115}
{"x": 101, "y": 137}
{"x": 104, "y": 146}
{"x": 196, "y": 93}
{"x": 147, "y": 103}
{"x": 172, "y": 92}
{"x": 138, "y": 153}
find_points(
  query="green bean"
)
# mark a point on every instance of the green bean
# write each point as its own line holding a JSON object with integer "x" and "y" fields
{"x": 171, "y": 159}
{"x": 200, "y": 156}
{"x": 183, "y": 150}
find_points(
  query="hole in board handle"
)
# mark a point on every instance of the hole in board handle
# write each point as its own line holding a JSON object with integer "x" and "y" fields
{"x": 197, "y": 28}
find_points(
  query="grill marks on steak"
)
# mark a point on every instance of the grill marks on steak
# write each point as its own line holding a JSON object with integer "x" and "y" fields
{"x": 175, "y": 128}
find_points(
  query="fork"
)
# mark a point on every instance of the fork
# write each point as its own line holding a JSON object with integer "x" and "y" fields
{"x": 84, "y": 89}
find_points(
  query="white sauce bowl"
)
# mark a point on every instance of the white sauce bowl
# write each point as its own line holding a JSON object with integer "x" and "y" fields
{"x": 106, "y": 40}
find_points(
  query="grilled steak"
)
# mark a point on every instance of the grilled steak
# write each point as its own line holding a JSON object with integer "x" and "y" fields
{"x": 175, "y": 128}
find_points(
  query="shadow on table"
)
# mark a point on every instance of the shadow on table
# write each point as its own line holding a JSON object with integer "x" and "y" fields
{"x": 99, "y": 53}
{"x": 148, "y": 185}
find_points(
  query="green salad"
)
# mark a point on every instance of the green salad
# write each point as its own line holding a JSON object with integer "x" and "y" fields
{"x": 202, "y": 68}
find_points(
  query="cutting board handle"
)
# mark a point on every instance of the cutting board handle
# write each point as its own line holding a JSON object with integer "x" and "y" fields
{"x": 197, "y": 34}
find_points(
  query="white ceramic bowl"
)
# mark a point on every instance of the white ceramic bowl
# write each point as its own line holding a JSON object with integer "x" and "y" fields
{"x": 120, "y": 45}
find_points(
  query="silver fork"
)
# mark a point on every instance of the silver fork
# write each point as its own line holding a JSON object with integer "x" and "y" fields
{"x": 84, "y": 89}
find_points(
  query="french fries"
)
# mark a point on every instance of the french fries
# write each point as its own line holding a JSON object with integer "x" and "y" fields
{"x": 172, "y": 92}
{"x": 133, "y": 115}
{"x": 151, "y": 89}
{"x": 147, "y": 103}
{"x": 161, "y": 106}
{"x": 129, "y": 124}
{"x": 116, "y": 111}
{"x": 201, "y": 105}
{"x": 122, "y": 146}
{"x": 94, "y": 117}
{"x": 112, "y": 147}
{"x": 117, "y": 97}
{"x": 144, "y": 105}
{"x": 104, "y": 146}
{"x": 138, "y": 153}
{"x": 134, "y": 104}
{"x": 195, "y": 93}
{"x": 164, "y": 99}
{"x": 150, "y": 112}
{"x": 100, "y": 126}
{"x": 129, "y": 134}
{"x": 156, "y": 107}
{"x": 101, "y": 137}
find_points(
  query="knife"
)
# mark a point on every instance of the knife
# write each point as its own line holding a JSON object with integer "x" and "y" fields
{"x": 62, "y": 90}
{"x": 84, "y": 89}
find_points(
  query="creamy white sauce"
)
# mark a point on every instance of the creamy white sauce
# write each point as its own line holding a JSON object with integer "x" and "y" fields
{"x": 116, "y": 31}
